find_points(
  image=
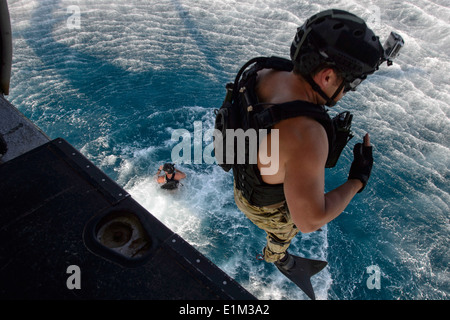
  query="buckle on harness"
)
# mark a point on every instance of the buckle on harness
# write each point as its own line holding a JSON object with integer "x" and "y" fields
{"x": 264, "y": 119}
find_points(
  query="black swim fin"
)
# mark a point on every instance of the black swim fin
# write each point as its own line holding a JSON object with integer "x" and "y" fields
{"x": 299, "y": 270}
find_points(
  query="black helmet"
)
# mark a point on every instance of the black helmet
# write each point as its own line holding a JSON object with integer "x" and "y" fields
{"x": 340, "y": 40}
{"x": 169, "y": 168}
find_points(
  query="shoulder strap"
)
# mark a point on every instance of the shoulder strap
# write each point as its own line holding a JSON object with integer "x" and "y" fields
{"x": 278, "y": 112}
{"x": 241, "y": 71}
{"x": 273, "y": 62}
{"x": 258, "y": 117}
{"x": 244, "y": 85}
{"x": 268, "y": 117}
{"x": 279, "y": 63}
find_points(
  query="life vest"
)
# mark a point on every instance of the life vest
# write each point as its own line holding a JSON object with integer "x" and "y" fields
{"x": 171, "y": 183}
{"x": 241, "y": 109}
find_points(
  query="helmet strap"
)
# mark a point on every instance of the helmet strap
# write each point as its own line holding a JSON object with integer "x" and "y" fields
{"x": 328, "y": 101}
{"x": 338, "y": 90}
{"x": 317, "y": 88}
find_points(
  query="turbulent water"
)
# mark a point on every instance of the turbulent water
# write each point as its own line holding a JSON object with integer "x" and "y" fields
{"x": 116, "y": 78}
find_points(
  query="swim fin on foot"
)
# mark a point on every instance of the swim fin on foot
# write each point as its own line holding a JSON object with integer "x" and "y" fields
{"x": 299, "y": 270}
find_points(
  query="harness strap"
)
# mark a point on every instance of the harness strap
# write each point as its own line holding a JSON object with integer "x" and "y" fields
{"x": 278, "y": 112}
{"x": 170, "y": 179}
{"x": 248, "y": 112}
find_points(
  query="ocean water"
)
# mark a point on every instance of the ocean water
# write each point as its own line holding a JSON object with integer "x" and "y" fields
{"x": 116, "y": 78}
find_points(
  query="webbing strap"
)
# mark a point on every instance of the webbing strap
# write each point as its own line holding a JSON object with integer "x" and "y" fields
{"x": 278, "y": 112}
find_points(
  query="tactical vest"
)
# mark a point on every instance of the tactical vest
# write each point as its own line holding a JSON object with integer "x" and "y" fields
{"x": 241, "y": 109}
{"x": 171, "y": 183}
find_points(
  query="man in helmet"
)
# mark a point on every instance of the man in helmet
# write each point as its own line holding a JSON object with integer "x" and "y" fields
{"x": 171, "y": 178}
{"x": 331, "y": 54}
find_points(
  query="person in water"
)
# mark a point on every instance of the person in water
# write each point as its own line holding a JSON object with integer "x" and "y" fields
{"x": 171, "y": 178}
{"x": 332, "y": 52}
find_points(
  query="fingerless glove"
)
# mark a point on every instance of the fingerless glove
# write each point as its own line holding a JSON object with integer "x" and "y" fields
{"x": 362, "y": 164}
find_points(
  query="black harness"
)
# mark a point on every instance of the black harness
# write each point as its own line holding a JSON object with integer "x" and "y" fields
{"x": 171, "y": 183}
{"x": 241, "y": 109}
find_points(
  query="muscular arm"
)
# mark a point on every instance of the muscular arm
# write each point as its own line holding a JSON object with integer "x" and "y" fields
{"x": 304, "y": 180}
{"x": 179, "y": 175}
{"x": 157, "y": 177}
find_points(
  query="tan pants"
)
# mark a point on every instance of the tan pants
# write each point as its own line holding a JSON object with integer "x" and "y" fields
{"x": 275, "y": 220}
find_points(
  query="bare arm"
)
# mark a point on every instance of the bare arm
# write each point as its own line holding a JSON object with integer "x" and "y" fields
{"x": 158, "y": 178}
{"x": 304, "y": 182}
{"x": 179, "y": 174}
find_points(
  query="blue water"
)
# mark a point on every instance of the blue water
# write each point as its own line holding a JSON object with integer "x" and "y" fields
{"x": 135, "y": 71}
